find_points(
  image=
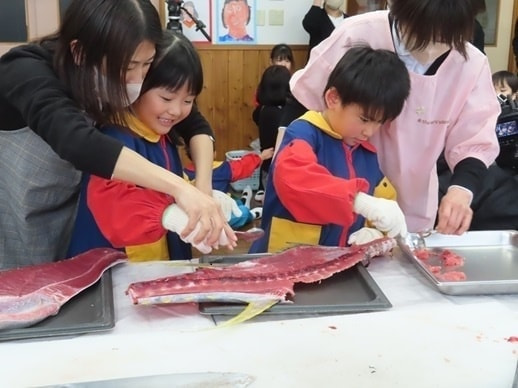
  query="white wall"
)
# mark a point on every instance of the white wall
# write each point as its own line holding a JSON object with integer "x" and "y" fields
{"x": 499, "y": 55}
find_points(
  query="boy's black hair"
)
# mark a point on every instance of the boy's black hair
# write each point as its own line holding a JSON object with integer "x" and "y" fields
{"x": 274, "y": 87}
{"x": 440, "y": 21}
{"x": 177, "y": 62}
{"x": 377, "y": 80}
{"x": 502, "y": 76}
{"x": 282, "y": 52}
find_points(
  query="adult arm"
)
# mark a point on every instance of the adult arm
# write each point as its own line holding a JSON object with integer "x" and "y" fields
{"x": 196, "y": 131}
{"x": 312, "y": 20}
{"x": 471, "y": 146}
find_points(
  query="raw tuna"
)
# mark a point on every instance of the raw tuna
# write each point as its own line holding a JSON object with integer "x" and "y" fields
{"x": 272, "y": 276}
{"x": 31, "y": 294}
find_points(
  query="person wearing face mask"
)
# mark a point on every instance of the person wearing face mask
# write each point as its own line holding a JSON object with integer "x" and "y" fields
{"x": 451, "y": 106}
{"x": 321, "y": 19}
{"x": 54, "y": 94}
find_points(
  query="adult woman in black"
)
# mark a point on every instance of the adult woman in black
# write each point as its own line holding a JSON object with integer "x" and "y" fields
{"x": 88, "y": 72}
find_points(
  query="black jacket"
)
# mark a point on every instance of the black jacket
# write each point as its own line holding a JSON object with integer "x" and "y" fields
{"x": 317, "y": 24}
{"x": 32, "y": 95}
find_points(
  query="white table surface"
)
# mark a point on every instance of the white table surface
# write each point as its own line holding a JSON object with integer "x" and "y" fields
{"x": 426, "y": 339}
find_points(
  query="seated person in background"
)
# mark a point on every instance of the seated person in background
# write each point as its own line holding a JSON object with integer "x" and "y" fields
{"x": 281, "y": 54}
{"x": 325, "y": 176}
{"x": 117, "y": 214}
{"x": 321, "y": 19}
{"x": 228, "y": 171}
{"x": 272, "y": 94}
{"x": 506, "y": 84}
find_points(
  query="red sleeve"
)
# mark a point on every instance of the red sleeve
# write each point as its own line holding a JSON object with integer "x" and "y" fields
{"x": 244, "y": 167}
{"x": 309, "y": 191}
{"x": 127, "y": 214}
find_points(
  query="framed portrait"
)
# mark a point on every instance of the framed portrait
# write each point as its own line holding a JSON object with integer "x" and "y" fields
{"x": 489, "y": 21}
{"x": 195, "y": 17}
{"x": 236, "y": 22}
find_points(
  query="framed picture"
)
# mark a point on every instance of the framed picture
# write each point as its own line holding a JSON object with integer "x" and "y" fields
{"x": 236, "y": 22}
{"x": 489, "y": 21}
{"x": 196, "y": 18}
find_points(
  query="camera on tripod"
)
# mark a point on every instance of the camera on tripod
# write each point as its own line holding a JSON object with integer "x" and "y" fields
{"x": 507, "y": 133}
{"x": 174, "y": 12}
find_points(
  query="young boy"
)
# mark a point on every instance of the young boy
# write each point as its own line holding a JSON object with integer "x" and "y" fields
{"x": 506, "y": 84}
{"x": 324, "y": 177}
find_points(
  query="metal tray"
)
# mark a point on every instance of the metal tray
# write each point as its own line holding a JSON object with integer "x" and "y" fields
{"x": 490, "y": 262}
{"x": 90, "y": 310}
{"x": 350, "y": 291}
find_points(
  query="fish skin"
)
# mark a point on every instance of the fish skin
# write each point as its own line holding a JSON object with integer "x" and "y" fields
{"x": 248, "y": 276}
{"x": 24, "y": 303}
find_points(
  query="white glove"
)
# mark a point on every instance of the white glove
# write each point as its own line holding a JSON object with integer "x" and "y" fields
{"x": 175, "y": 220}
{"x": 364, "y": 236}
{"x": 384, "y": 214}
{"x": 227, "y": 203}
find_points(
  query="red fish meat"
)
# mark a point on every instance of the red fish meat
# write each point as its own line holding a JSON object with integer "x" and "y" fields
{"x": 33, "y": 293}
{"x": 272, "y": 275}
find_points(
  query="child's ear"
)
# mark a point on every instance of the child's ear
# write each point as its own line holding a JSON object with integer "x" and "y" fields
{"x": 332, "y": 98}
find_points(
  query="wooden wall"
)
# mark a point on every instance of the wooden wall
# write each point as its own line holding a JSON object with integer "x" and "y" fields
{"x": 231, "y": 76}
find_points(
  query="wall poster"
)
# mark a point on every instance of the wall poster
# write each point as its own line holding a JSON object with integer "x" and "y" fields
{"x": 236, "y": 22}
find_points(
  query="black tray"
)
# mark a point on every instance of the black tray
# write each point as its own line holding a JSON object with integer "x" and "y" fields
{"x": 90, "y": 310}
{"x": 349, "y": 291}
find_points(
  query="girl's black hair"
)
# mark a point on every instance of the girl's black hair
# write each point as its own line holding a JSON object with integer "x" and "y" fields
{"x": 377, "y": 80}
{"x": 274, "y": 87}
{"x": 440, "y": 21}
{"x": 282, "y": 52}
{"x": 502, "y": 76}
{"x": 101, "y": 34}
{"x": 176, "y": 63}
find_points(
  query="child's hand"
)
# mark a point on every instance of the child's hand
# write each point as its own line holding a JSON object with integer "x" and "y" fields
{"x": 364, "y": 236}
{"x": 267, "y": 153}
{"x": 384, "y": 214}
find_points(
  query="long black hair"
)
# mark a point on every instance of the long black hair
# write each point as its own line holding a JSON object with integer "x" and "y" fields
{"x": 274, "y": 87}
{"x": 102, "y": 34}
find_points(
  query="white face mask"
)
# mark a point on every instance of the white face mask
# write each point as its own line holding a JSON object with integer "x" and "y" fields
{"x": 133, "y": 91}
{"x": 334, "y": 4}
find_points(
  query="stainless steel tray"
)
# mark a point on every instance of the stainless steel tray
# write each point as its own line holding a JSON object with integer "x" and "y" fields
{"x": 90, "y": 310}
{"x": 349, "y": 291}
{"x": 490, "y": 262}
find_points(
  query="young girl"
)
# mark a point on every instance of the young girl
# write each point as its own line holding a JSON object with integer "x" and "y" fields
{"x": 51, "y": 92}
{"x": 272, "y": 94}
{"x": 325, "y": 175}
{"x": 282, "y": 54}
{"x": 119, "y": 214}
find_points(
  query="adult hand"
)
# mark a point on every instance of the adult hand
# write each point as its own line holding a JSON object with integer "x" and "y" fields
{"x": 455, "y": 213}
{"x": 364, "y": 236}
{"x": 175, "y": 220}
{"x": 267, "y": 153}
{"x": 205, "y": 214}
{"x": 384, "y": 214}
{"x": 227, "y": 203}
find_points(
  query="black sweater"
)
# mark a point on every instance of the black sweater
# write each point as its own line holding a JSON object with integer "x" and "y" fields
{"x": 32, "y": 95}
{"x": 317, "y": 24}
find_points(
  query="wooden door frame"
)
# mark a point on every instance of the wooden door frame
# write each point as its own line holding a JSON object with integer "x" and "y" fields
{"x": 511, "y": 66}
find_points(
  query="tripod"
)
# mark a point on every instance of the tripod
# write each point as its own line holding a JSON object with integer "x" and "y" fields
{"x": 174, "y": 8}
